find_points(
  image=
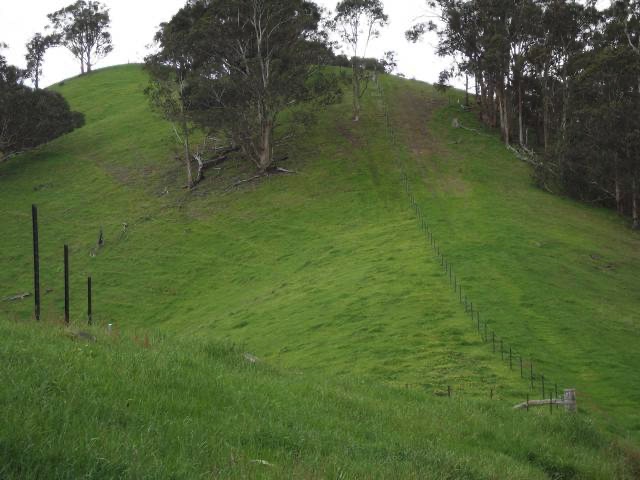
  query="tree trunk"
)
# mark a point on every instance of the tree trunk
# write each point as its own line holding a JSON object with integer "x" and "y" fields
{"x": 265, "y": 150}
{"x": 504, "y": 114}
{"x": 618, "y": 191}
{"x": 81, "y": 66}
{"x": 466, "y": 91}
{"x": 187, "y": 154}
{"x": 545, "y": 110}
{"x": 520, "y": 120}
{"x": 635, "y": 213}
{"x": 356, "y": 91}
{"x": 36, "y": 80}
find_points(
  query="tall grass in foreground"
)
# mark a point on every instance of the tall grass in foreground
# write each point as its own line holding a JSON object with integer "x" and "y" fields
{"x": 150, "y": 408}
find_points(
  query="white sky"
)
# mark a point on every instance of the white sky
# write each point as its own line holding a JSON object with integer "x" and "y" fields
{"x": 134, "y": 22}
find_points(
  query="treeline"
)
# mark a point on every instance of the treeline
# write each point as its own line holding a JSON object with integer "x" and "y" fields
{"x": 561, "y": 80}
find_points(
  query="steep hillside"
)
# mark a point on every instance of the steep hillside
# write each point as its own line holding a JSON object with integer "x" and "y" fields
{"x": 322, "y": 270}
{"x": 326, "y": 275}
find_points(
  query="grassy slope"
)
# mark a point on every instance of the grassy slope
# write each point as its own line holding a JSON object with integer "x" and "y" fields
{"x": 168, "y": 409}
{"x": 324, "y": 272}
{"x": 555, "y": 278}
{"x": 321, "y": 270}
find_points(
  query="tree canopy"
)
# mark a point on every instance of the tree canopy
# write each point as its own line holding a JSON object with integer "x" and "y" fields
{"x": 238, "y": 64}
{"x": 36, "y": 48}
{"x": 357, "y": 22}
{"x": 82, "y": 27}
{"x": 29, "y": 118}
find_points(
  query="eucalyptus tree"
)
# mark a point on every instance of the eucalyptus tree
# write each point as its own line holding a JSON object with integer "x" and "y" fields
{"x": 36, "y": 49}
{"x": 245, "y": 62}
{"x": 358, "y": 21}
{"x": 167, "y": 90}
{"x": 83, "y": 28}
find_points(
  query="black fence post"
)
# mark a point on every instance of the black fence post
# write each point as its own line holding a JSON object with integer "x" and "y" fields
{"x": 531, "y": 374}
{"x": 478, "y": 316}
{"x": 89, "y": 312}
{"x": 66, "y": 283}
{"x": 36, "y": 261}
{"x": 527, "y": 402}
{"x": 521, "y": 373}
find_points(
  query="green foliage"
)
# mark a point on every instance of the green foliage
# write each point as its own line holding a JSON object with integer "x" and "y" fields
{"x": 243, "y": 91}
{"x": 30, "y": 118}
{"x": 36, "y": 48}
{"x": 82, "y": 27}
{"x": 357, "y": 22}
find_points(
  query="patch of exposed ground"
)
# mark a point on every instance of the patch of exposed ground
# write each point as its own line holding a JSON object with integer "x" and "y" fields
{"x": 411, "y": 111}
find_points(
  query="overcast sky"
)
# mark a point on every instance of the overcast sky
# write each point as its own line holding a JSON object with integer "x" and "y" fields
{"x": 134, "y": 23}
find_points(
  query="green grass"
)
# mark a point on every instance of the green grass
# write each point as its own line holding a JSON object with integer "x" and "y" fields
{"x": 167, "y": 409}
{"x": 327, "y": 278}
{"x": 557, "y": 279}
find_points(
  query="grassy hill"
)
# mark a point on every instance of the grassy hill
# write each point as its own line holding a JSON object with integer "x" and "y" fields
{"x": 326, "y": 277}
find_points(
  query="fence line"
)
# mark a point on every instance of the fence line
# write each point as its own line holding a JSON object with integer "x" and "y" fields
{"x": 482, "y": 327}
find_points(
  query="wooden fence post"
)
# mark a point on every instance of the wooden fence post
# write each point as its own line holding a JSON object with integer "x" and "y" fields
{"x": 570, "y": 403}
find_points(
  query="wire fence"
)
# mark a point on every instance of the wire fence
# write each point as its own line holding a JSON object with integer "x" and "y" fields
{"x": 509, "y": 354}
{"x": 519, "y": 363}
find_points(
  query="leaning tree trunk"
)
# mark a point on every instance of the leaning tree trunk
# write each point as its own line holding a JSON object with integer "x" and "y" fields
{"x": 187, "y": 154}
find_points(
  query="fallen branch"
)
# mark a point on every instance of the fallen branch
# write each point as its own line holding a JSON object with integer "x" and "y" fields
{"x": 206, "y": 164}
{"x": 536, "y": 403}
{"x": 270, "y": 171}
{"x": 20, "y": 296}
